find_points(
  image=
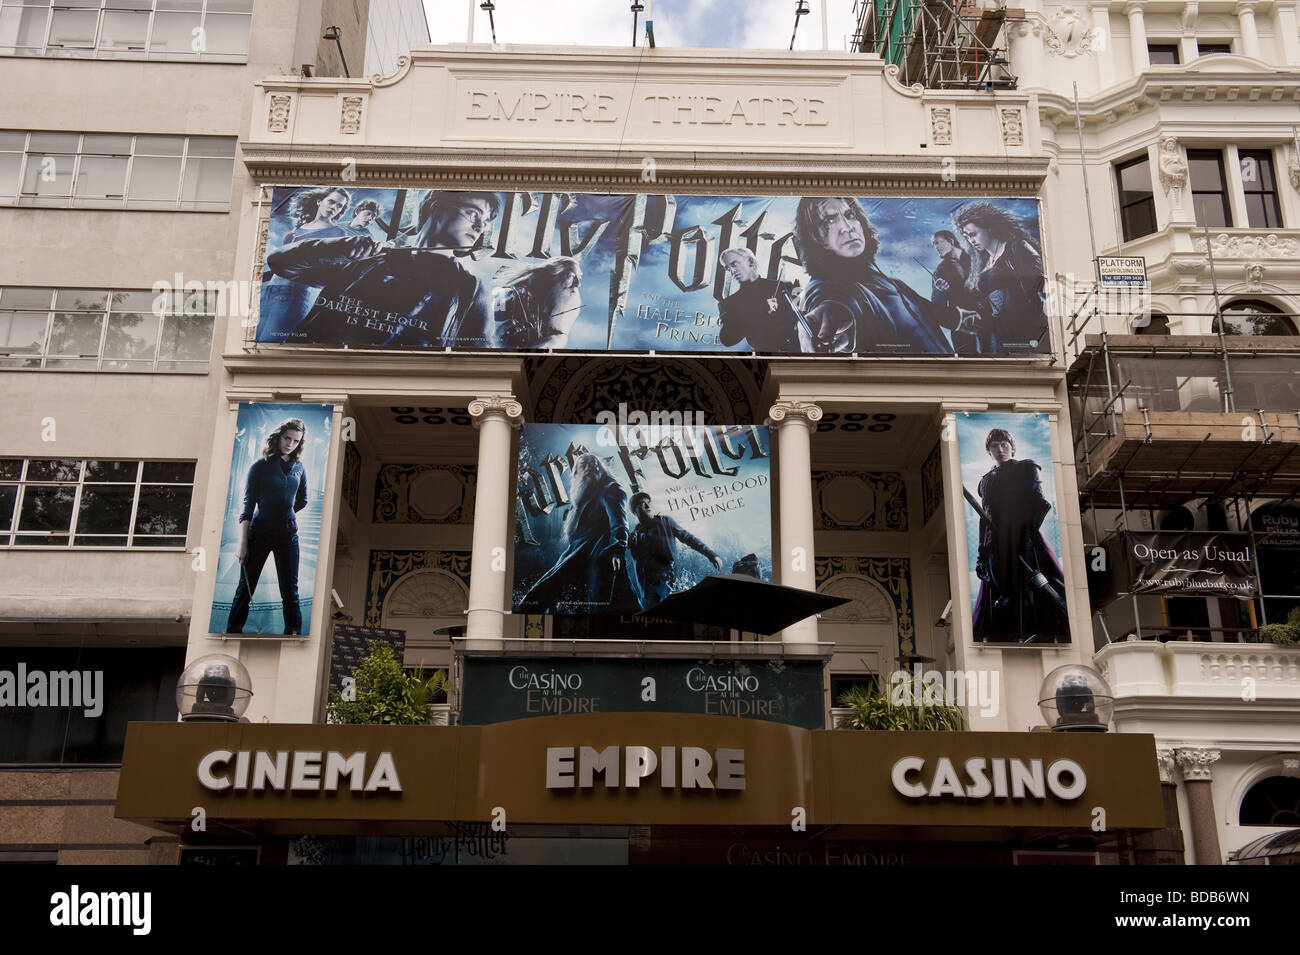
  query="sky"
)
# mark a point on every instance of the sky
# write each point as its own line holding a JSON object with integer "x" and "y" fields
{"x": 765, "y": 24}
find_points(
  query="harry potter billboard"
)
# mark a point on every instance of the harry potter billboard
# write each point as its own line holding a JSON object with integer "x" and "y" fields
{"x": 421, "y": 269}
{"x": 612, "y": 519}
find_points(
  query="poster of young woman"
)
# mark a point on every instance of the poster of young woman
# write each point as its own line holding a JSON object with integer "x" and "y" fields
{"x": 270, "y": 537}
{"x": 1013, "y": 535}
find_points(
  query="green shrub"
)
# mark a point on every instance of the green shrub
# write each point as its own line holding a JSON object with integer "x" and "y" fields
{"x": 387, "y": 694}
{"x": 870, "y": 709}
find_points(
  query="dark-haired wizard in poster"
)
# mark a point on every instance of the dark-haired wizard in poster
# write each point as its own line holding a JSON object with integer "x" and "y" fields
{"x": 612, "y": 520}
{"x": 1012, "y": 528}
{"x": 521, "y": 271}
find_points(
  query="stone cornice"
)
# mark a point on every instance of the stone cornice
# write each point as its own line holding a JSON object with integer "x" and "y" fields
{"x": 721, "y": 170}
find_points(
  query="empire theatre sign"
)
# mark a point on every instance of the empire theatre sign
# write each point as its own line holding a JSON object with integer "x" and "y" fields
{"x": 657, "y": 769}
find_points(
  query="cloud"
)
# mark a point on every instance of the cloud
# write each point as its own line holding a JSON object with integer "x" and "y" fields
{"x": 758, "y": 24}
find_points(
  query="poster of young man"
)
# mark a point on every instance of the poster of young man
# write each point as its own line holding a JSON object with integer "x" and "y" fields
{"x": 1013, "y": 536}
{"x": 520, "y": 271}
{"x": 270, "y": 537}
{"x": 612, "y": 520}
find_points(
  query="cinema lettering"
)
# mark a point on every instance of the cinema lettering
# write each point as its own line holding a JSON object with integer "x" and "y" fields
{"x": 981, "y": 777}
{"x": 297, "y": 771}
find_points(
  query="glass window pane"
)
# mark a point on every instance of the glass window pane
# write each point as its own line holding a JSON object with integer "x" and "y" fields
{"x": 74, "y": 28}
{"x": 48, "y": 175}
{"x": 134, "y": 301}
{"x": 158, "y": 145}
{"x": 194, "y": 5}
{"x": 124, "y": 30}
{"x": 8, "y": 496}
{"x": 105, "y": 510}
{"x": 11, "y": 469}
{"x": 10, "y": 164}
{"x": 22, "y": 332}
{"x": 220, "y": 147}
{"x": 1256, "y": 212}
{"x": 112, "y": 472}
{"x": 163, "y": 510}
{"x": 13, "y": 140}
{"x": 131, "y": 335}
{"x": 208, "y": 181}
{"x": 169, "y": 472}
{"x": 105, "y": 144}
{"x": 1206, "y": 171}
{"x": 1135, "y": 179}
{"x": 54, "y": 142}
{"x": 102, "y": 177}
{"x": 186, "y": 338}
{"x": 155, "y": 179}
{"x": 81, "y": 299}
{"x": 76, "y": 335}
{"x": 173, "y": 33}
{"x": 53, "y": 469}
{"x": 22, "y": 30}
{"x": 129, "y": 4}
{"x": 26, "y": 297}
{"x": 47, "y": 510}
{"x": 1209, "y": 210}
{"x": 230, "y": 6}
{"x": 226, "y": 35}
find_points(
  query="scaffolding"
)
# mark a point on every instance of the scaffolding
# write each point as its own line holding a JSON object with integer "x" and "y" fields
{"x": 939, "y": 44}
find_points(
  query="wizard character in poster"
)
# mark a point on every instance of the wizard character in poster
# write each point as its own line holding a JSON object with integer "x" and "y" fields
{"x": 1018, "y": 587}
{"x": 520, "y": 271}
{"x": 613, "y": 520}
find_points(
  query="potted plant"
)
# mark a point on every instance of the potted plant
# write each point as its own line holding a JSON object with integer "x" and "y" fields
{"x": 388, "y": 694}
{"x": 870, "y": 709}
{"x": 1283, "y": 634}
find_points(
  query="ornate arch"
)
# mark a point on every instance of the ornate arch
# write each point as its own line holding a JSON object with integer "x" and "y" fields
{"x": 893, "y": 576}
{"x": 427, "y": 593}
{"x": 871, "y": 604}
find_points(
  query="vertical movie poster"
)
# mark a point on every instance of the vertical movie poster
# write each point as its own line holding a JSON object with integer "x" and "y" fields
{"x": 421, "y": 269}
{"x": 614, "y": 519}
{"x": 1013, "y": 536}
{"x": 273, "y": 515}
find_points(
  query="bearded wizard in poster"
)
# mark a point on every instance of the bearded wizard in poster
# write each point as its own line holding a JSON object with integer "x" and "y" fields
{"x": 612, "y": 520}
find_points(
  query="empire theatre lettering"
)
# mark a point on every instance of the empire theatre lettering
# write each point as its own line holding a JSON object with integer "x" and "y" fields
{"x": 570, "y": 106}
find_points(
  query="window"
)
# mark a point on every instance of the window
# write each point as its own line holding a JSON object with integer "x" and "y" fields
{"x": 1137, "y": 202}
{"x": 842, "y": 683}
{"x": 1209, "y": 187}
{"x": 116, "y": 171}
{"x": 1252, "y": 317}
{"x": 1153, "y": 324}
{"x": 70, "y": 502}
{"x": 103, "y": 330}
{"x": 127, "y": 29}
{"x": 1163, "y": 54}
{"x": 1208, "y": 47}
{"x": 1274, "y": 801}
{"x": 1260, "y": 187}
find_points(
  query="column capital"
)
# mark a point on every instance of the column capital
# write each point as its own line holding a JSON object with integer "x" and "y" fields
{"x": 1188, "y": 18}
{"x": 1134, "y": 8}
{"x": 1245, "y": 6}
{"x": 496, "y": 406}
{"x": 1196, "y": 763}
{"x": 803, "y": 411}
{"x": 1165, "y": 763}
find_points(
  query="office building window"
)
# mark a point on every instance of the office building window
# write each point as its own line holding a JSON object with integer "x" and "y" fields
{"x": 1260, "y": 186}
{"x": 69, "y": 502}
{"x": 1207, "y": 47}
{"x": 1252, "y": 317}
{"x": 1209, "y": 187}
{"x": 1163, "y": 54}
{"x": 106, "y": 330}
{"x": 215, "y": 30}
{"x": 1136, "y": 198}
{"x": 116, "y": 171}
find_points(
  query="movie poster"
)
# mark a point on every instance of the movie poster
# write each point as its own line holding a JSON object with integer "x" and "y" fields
{"x": 1013, "y": 537}
{"x": 519, "y": 271}
{"x": 612, "y": 519}
{"x": 266, "y": 571}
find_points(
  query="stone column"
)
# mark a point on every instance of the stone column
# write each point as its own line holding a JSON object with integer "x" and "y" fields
{"x": 493, "y": 415}
{"x": 1197, "y": 779}
{"x": 1245, "y": 11}
{"x": 1137, "y": 38}
{"x": 1163, "y": 846}
{"x": 1105, "y": 58}
{"x": 795, "y": 565}
{"x": 1285, "y": 29}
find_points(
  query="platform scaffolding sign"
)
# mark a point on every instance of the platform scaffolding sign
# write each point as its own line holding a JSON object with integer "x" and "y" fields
{"x": 1122, "y": 271}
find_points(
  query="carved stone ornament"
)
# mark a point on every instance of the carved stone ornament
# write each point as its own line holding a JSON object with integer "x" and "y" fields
{"x": 1013, "y": 127}
{"x": 1196, "y": 764}
{"x": 350, "y": 120}
{"x": 1291, "y": 766}
{"x": 1165, "y": 763}
{"x": 1271, "y": 246}
{"x": 1173, "y": 167}
{"x": 277, "y": 119}
{"x": 1255, "y": 276}
{"x": 504, "y": 406}
{"x": 941, "y": 125}
{"x": 1069, "y": 34}
{"x": 1293, "y": 169}
{"x": 795, "y": 410}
